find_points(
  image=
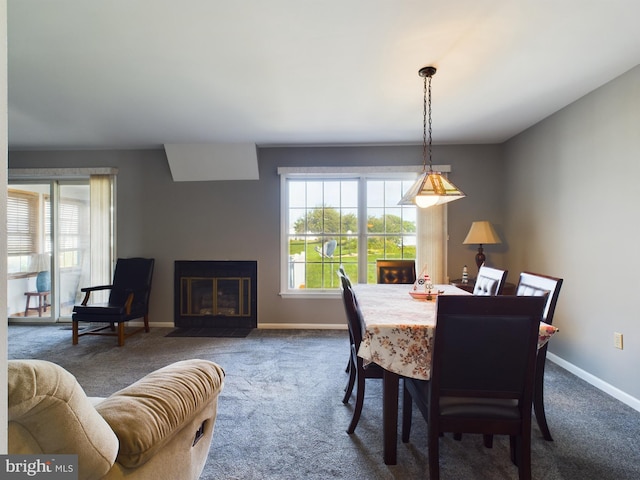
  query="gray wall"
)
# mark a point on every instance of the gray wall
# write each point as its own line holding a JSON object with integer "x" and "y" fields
{"x": 240, "y": 220}
{"x": 573, "y": 212}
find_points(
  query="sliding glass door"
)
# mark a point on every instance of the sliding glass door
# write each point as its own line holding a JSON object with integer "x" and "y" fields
{"x": 60, "y": 238}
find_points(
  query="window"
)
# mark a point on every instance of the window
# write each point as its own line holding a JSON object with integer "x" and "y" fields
{"x": 345, "y": 218}
{"x": 23, "y": 231}
{"x": 73, "y": 219}
{"x": 391, "y": 228}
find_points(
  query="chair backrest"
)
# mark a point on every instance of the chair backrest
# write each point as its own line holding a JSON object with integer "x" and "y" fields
{"x": 132, "y": 275}
{"x": 355, "y": 321}
{"x": 490, "y": 281}
{"x": 535, "y": 284}
{"x": 485, "y": 347}
{"x": 396, "y": 271}
{"x": 342, "y": 273}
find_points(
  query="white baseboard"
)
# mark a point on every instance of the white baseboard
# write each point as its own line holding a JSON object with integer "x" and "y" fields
{"x": 153, "y": 324}
{"x": 265, "y": 326}
{"x": 301, "y": 326}
{"x": 596, "y": 382}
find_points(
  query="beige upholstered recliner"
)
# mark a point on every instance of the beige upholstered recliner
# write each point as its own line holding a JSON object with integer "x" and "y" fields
{"x": 159, "y": 427}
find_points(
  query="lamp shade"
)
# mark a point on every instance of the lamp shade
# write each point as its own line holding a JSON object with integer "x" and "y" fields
{"x": 482, "y": 233}
{"x": 431, "y": 188}
{"x": 40, "y": 262}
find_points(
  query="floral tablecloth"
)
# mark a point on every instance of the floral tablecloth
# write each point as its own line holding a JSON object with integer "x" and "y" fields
{"x": 400, "y": 329}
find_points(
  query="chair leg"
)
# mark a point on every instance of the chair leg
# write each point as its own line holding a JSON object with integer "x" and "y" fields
{"x": 121, "y": 334}
{"x": 74, "y": 333}
{"x": 350, "y": 383}
{"x": 146, "y": 323}
{"x": 524, "y": 458}
{"x": 488, "y": 440}
{"x": 407, "y": 412}
{"x": 521, "y": 455}
{"x": 357, "y": 410}
{"x": 538, "y": 395}
{"x": 434, "y": 453}
{"x": 513, "y": 449}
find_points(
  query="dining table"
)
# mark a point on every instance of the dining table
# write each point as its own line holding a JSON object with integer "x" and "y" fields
{"x": 400, "y": 323}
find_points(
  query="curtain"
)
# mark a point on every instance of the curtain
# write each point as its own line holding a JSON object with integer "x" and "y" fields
{"x": 432, "y": 242}
{"x": 101, "y": 221}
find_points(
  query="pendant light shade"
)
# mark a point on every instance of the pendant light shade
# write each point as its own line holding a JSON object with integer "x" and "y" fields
{"x": 431, "y": 188}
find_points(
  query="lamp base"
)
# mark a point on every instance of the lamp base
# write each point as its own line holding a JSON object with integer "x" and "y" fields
{"x": 43, "y": 281}
{"x": 480, "y": 257}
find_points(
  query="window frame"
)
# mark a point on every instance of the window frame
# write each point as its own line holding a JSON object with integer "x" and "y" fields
{"x": 362, "y": 174}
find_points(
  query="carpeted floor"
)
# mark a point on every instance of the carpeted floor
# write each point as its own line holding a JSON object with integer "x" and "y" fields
{"x": 281, "y": 416}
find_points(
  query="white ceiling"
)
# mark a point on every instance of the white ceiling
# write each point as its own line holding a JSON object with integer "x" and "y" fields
{"x": 143, "y": 73}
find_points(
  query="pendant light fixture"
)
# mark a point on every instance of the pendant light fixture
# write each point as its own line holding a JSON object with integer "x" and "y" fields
{"x": 431, "y": 188}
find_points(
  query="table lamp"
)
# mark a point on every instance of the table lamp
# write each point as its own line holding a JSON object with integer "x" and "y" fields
{"x": 481, "y": 233}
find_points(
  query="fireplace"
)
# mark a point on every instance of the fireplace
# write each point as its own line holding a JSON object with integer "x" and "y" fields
{"x": 215, "y": 294}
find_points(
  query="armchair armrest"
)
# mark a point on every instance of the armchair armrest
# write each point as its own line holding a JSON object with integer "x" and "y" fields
{"x": 147, "y": 414}
{"x": 93, "y": 289}
{"x": 87, "y": 291}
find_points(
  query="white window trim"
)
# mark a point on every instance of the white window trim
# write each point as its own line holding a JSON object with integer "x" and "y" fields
{"x": 329, "y": 173}
{"x": 58, "y": 173}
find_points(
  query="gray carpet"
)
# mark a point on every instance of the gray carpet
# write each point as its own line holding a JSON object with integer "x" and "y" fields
{"x": 281, "y": 416}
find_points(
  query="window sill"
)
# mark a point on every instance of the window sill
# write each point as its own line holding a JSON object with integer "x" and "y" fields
{"x": 307, "y": 294}
{"x": 17, "y": 275}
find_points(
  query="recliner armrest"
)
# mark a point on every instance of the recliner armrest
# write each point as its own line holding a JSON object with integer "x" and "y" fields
{"x": 146, "y": 414}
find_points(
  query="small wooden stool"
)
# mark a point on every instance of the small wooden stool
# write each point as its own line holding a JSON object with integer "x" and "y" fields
{"x": 42, "y": 302}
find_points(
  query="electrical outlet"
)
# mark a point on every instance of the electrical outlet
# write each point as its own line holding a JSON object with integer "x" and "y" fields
{"x": 617, "y": 340}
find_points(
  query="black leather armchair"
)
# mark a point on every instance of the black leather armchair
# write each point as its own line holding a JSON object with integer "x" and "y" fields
{"x": 128, "y": 300}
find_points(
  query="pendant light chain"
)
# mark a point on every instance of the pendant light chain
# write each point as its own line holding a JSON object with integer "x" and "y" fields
{"x": 426, "y": 153}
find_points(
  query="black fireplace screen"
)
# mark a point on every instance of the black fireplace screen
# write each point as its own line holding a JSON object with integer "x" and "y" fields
{"x": 215, "y": 294}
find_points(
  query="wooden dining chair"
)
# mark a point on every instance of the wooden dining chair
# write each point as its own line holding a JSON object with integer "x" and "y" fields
{"x": 536, "y": 284}
{"x": 358, "y": 373}
{"x": 481, "y": 374}
{"x": 490, "y": 281}
{"x": 396, "y": 271}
